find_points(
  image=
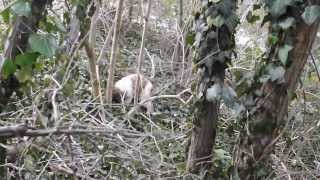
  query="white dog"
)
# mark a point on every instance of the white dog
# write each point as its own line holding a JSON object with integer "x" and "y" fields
{"x": 124, "y": 90}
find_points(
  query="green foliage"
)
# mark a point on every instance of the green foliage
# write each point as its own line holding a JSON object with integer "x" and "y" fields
{"x": 8, "y": 68}
{"x": 22, "y": 8}
{"x": 214, "y": 29}
{"x": 283, "y": 53}
{"x": 252, "y": 18}
{"x": 276, "y": 72}
{"x": 283, "y": 17}
{"x": 26, "y": 59}
{"x": 218, "y": 21}
{"x": 287, "y": 23}
{"x": 24, "y": 74}
{"x": 45, "y": 44}
{"x": 311, "y": 14}
{"x": 222, "y": 163}
{"x": 279, "y": 7}
{"x": 218, "y": 92}
{"x": 190, "y": 39}
{"x": 272, "y": 39}
{"x": 5, "y": 14}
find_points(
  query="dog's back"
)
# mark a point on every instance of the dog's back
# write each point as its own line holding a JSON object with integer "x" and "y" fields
{"x": 125, "y": 88}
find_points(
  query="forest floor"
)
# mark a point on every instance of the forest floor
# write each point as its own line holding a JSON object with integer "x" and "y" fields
{"x": 116, "y": 146}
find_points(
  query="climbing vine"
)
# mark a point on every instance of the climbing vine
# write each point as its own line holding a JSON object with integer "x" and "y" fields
{"x": 265, "y": 93}
{"x": 213, "y": 42}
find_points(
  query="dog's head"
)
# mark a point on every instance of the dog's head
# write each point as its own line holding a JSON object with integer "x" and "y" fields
{"x": 116, "y": 96}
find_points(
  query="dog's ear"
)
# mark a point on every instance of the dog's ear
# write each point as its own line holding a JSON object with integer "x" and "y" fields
{"x": 116, "y": 95}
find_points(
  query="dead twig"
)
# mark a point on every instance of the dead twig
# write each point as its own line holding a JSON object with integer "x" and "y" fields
{"x": 177, "y": 96}
{"x": 24, "y": 130}
{"x": 67, "y": 170}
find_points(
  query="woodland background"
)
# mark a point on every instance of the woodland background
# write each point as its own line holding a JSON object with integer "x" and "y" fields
{"x": 55, "y": 112}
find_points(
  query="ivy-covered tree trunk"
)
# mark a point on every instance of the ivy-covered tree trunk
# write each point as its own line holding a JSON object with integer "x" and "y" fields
{"x": 17, "y": 43}
{"x": 214, "y": 28}
{"x": 293, "y": 26}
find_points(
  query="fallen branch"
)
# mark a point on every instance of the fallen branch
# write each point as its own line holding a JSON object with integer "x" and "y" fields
{"x": 67, "y": 170}
{"x": 177, "y": 96}
{"x": 23, "y": 130}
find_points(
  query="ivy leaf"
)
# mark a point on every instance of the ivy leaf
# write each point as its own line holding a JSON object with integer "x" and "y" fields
{"x": 221, "y": 154}
{"x": 279, "y": 7}
{"x": 272, "y": 39}
{"x": 232, "y": 22}
{"x": 26, "y": 59}
{"x": 228, "y": 94}
{"x": 59, "y": 24}
{"x": 311, "y": 13}
{"x": 68, "y": 88}
{"x": 276, "y": 73}
{"x": 190, "y": 38}
{"x": 24, "y": 74}
{"x": 287, "y": 23}
{"x": 45, "y": 44}
{"x": 209, "y": 21}
{"x": 204, "y": 3}
{"x": 251, "y": 18}
{"x": 8, "y": 68}
{"x": 6, "y": 15}
{"x": 218, "y": 21}
{"x": 214, "y": 92}
{"x": 22, "y": 8}
{"x": 283, "y": 53}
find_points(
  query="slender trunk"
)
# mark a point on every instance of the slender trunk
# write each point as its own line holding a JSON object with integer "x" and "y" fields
{"x": 131, "y": 3}
{"x": 89, "y": 47}
{"x": 103, "y": 50}
{"x": 141, "y": 53}
{"x": 94, "y": 71}
{"x": 180, "y": 13}
{"x": 114, "y": 53}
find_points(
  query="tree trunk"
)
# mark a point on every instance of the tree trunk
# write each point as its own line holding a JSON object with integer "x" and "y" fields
{"x": 114, "y": 53}
{"x": 203, "y": 137}
{"x": 180, "y": 14}
{"x": 16, "y": 44}
{"x": 141, "y": 52}
{"x": 212, "y": 54}
{"x": 265, "y": 125}
{"x": 89, "y": 47}
{"x": 130, "y": 10}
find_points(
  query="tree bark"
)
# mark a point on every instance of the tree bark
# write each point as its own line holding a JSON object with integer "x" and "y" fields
{"x": 114, "y": 53}
{"x": 212, "y": 54}
{"x": 89, "y": 47}
{"x": 180, "y": 14}
{"x": 203, "y": 137}
{"x": 141, "y": 52}
{"x": 16, "y": 44}
{"x": 264, "y": 127}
